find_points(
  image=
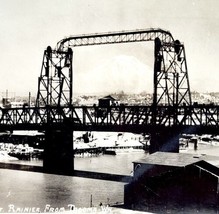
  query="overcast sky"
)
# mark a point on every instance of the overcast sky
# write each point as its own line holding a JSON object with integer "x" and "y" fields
{"x": 29, "y": 26}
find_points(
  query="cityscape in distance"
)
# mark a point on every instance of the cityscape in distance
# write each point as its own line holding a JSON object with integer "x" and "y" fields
{"x": 11, "y": 99}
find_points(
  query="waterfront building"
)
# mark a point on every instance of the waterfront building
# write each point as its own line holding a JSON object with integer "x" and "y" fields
{"x": 173, "y": 181}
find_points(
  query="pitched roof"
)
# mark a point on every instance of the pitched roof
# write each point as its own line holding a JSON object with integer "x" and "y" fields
{"x": 109, "y": 97}
{"x": 174, "y": 159}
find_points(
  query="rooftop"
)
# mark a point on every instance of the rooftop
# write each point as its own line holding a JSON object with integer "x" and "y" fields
{"x": 175, "y": 159}
{"x": 109, "y": 97}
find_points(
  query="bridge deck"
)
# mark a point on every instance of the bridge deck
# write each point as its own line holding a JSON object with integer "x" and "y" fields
{"x": 189, "y": 119}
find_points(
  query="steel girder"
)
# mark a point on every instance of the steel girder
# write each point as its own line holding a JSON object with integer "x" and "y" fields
{"x": 133, "y": 118}
{"x": 114, "y": 37}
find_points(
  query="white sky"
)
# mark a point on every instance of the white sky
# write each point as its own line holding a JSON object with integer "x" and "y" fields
{"x": 28, "y": 26}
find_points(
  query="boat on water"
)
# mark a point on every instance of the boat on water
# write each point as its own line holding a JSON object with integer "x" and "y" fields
{"x": 123, "y": 149}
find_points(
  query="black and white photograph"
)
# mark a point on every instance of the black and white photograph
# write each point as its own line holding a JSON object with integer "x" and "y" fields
{"x": 109, "y": 106}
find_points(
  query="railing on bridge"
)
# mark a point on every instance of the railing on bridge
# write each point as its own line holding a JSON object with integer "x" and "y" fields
{"x": 135, "y": 118}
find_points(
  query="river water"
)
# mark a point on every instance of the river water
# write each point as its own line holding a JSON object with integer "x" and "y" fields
{"x": 42, "y": 192}
{"x": 20, "y": 189}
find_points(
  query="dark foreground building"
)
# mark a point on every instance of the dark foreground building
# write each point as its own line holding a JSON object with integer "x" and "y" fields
{"x": 174, "y": 182}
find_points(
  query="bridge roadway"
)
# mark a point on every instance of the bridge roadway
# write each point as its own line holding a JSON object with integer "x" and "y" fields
{"x": 196, "y": 119}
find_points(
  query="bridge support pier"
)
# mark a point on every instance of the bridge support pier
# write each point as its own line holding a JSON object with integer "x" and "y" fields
{"x": 58, "y": 152}
{"x": 164, "y": 141}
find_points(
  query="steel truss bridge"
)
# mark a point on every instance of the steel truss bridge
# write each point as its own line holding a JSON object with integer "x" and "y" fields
{"x": 188, "y": 119}
{"x": 170, "y": 114}
{"x": 172, "y": 104}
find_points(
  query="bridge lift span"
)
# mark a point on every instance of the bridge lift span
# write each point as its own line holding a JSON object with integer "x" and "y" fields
{"x": 55, "y": 88}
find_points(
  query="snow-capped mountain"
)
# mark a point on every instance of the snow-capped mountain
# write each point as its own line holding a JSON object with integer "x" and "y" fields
{"x": 121, "y": 73}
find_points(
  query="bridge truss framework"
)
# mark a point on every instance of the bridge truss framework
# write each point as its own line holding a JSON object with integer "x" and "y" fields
{"x": 171, "y": 82}
{"x": 170, "y": 114}
{"x": 203, "y": 118}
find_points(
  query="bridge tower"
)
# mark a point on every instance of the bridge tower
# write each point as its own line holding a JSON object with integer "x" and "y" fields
{"x": 171, "y": 81}
{"x": 171, "y": 88}
{"x": 55, "y": 81}
{"x": 55, "y": 90}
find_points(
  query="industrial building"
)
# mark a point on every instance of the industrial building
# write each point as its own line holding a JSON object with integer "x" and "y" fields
{"x": 174, "y": 181}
